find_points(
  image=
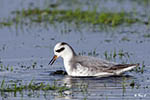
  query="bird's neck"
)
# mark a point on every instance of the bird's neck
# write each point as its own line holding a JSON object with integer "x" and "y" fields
{"x": 68, "y": 57}
{"x": 67, "y": 62}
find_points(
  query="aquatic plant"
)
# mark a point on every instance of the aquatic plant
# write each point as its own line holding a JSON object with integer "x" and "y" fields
{"x": 0, "y": 61}
{"x": 34, "y": 64}
{"x": 31, "y": 86}
{"x": 5, "y": 23}
{"x": 48, "y": 15}
{"x": 140, "y": 69}
{"x": 91, "y": 53}
{"x": 113, "y": 55}
{"x": 124, "y": 85}
{"x": 125, "y": 39}
{"x": 132, "y": 84}
{"x": 6, "y": 67}
{"x": 146, "y": 35}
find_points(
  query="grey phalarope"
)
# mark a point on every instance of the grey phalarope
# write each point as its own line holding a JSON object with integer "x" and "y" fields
{"x": 76, "y": 65}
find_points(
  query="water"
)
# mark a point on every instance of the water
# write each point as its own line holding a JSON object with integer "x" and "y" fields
{"x": 22, "y": 48}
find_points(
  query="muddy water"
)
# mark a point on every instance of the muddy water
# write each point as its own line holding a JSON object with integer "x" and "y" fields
{"x": 23, "y": 47}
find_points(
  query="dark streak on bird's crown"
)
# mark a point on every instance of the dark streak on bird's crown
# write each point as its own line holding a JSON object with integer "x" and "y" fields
{"x": 63, "y": 43}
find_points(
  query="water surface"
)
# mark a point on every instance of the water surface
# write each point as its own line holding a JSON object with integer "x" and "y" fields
{"x": 29, "y": 48}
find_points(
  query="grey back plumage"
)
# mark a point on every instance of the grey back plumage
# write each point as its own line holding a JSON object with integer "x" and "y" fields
{"x": 92, "y": 63}
{"x": 96, "y": 65}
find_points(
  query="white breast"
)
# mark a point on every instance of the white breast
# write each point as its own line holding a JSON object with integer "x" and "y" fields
{"x": 78, "y": 71}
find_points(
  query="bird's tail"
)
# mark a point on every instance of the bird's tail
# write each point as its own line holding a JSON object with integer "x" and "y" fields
{"x": 121, "y": 68}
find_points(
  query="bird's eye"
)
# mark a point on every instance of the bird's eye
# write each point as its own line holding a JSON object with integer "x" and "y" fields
{"x": 61, "y": 49}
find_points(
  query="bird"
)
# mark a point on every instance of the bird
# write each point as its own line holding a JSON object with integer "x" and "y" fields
{"x": 77, "y": 65}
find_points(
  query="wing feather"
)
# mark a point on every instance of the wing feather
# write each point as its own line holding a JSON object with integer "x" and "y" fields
{"x": 93, "y": 64}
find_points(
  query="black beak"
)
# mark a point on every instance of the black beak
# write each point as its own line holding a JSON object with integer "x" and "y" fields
{"x": 53, "y": 60}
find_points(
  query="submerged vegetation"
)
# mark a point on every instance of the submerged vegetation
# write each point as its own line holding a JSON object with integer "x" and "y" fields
{"x": 91, "y": 53}
{"x": 146, "y": 35}
{"x": 6, "y": 68}
{"x": 14, "y": 87}
{"x": 77, "y": 16}
{"x": 113, "y": 55}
